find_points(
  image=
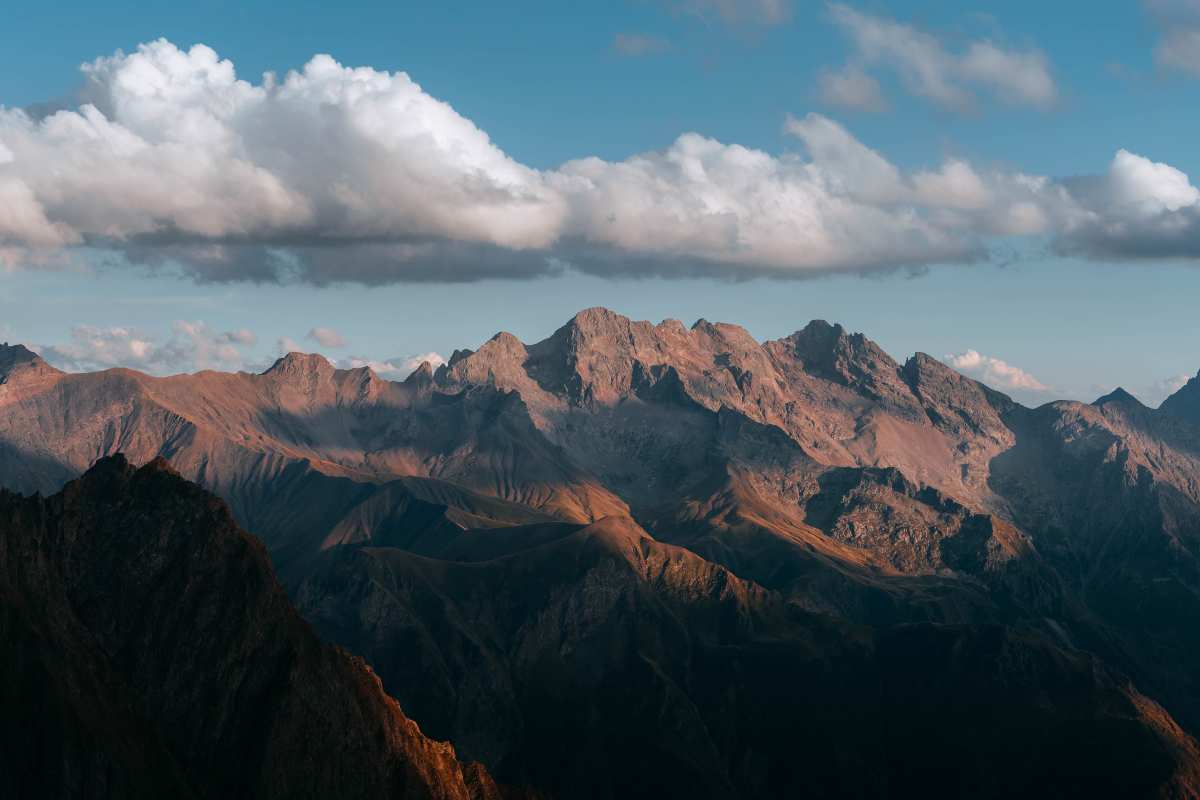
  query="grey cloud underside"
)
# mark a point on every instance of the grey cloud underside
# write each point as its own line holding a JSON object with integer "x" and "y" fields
{"x": 1169, "y": 235}
{"x": 323, "y": 263}
{"x": 383, "y": 263}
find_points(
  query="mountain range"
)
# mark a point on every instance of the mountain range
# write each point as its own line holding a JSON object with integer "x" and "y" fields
{"x": 630, "y": 560}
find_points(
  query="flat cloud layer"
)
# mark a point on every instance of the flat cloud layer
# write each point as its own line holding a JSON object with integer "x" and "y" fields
{"x": 335, "y": 173}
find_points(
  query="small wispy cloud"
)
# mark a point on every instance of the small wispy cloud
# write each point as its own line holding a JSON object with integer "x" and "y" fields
{"x": 756, "y": 12}
{"x": 950, "y": 79}
{"x": 639, "y": 44}
{"x": 851, "y": 88}
{"x": 1179, "y": 25}
{"x": 327, "y": 337}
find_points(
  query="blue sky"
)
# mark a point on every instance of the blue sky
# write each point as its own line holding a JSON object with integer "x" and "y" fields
{"x": 550, "y": 82}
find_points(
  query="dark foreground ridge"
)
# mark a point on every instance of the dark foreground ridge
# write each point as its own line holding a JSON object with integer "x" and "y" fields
{"x": 146, "y": 650}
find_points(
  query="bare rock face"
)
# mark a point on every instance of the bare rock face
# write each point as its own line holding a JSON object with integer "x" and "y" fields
{"x": 149, "y": 652}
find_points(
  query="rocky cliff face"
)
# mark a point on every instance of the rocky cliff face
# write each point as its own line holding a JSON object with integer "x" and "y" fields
{"x": 864, "y": 511}
{"x": 149, "y": 652}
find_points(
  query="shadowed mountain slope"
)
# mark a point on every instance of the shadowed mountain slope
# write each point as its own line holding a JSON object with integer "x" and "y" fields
{"x": 149, "y": 652}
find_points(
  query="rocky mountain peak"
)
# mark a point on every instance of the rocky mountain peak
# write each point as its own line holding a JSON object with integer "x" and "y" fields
{"x": 1185, "y": 403}
{"x": 827, "y": 350}
{"x": 424, "y": 377}
{"x": 597, "y": 320}
{"x": 922, "y": 367}
{"x": 13, "y": 354}
{"x": 295, "y": 365}
{"x": 500, "y": 361}
{"x": 722, "y": 336}
{"x": 593, "y": 329}
{"x": 820, "y": 327}
{"x": 672, "y": 327}
{"x": 17, "y": 358}
{"x": 1119, "y": 397}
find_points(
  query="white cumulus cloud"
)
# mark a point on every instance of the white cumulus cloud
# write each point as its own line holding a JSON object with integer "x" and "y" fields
{"x": 639, "y": 44}
{"x": 174, "y": 146}
{"x": 334, "y": 173}
{"x": 1138, "y": 209}
{"x": 994, "y": 372}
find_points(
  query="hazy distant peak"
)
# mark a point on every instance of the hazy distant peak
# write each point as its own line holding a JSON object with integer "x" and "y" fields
{"x": 1120, "y": 397}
